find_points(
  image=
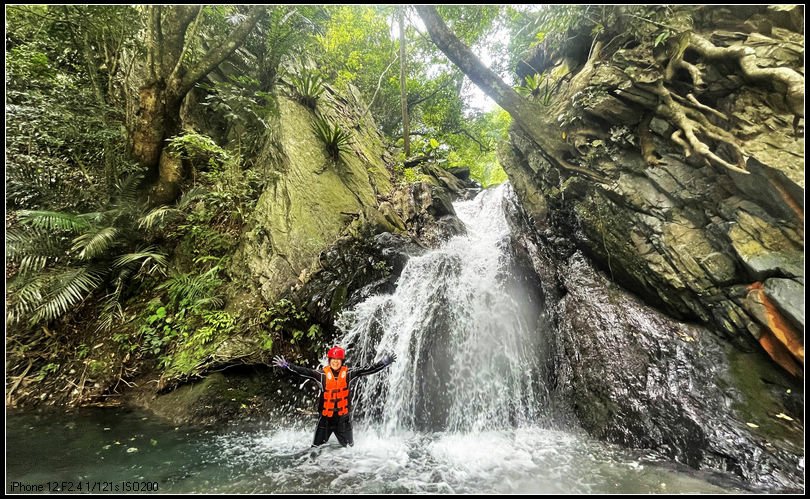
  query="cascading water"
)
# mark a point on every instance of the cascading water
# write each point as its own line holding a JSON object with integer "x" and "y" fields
{"x": 463, "y": 410}
{"x": 468, "y": 344}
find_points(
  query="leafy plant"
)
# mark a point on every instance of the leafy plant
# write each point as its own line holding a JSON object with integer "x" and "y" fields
{"x": 195, "y": 292}
{"x": 62, "y": 258}
{"x": 536, "y": 86}
{"x": 199, "y": 149}
{"x": 334, "y": 138}
{"x": 415, "y": 175}
{"x": 49, "y": 368}
{"x": 244, "y": 108}
{"x": 308, "y": 86}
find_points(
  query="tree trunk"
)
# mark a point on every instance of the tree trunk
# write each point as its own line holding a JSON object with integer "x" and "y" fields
{"x": 525, "y": 114}
{"x": 403, "y": 85}
{"x": 169, "y": 80}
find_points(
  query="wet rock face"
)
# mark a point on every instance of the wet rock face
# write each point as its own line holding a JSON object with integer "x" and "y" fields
{"x": 690, "y": 237}
{"x": 352, "y": 270}
{"x": 636, "y": 377}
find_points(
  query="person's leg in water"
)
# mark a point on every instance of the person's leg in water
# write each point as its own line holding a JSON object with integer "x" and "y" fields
{"x": 322, "y": 432}
{"x": 343, "y": 431}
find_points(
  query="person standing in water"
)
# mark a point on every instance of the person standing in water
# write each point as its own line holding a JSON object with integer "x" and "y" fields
{"x": 335, "y": 382}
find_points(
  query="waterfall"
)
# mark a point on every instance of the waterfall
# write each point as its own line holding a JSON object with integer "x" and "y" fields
{"x": 468, "y": 341}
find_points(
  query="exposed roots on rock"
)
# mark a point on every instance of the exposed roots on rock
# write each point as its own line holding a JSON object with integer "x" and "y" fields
{"x": 693, "y": 100}
{"x": 690, "y": 122}
{"x": 676, "y": 62}
{"x": 792, "y": 80}
{"x": 646, "y": 142}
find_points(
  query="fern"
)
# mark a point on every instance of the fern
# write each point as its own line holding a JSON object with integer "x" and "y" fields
{"x": 334, "y": 138}
{"x": 194, "y": 291}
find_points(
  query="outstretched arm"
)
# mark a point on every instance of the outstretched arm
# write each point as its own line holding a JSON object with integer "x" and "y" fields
{"x": 386, "y": 361}
{"x": 299, "y": 370}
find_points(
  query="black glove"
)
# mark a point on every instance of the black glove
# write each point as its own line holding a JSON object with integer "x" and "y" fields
{"x": 389, "y": 358}
{"x": 281, "y": 362}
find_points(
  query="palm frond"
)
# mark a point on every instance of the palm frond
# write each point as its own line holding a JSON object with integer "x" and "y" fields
{"x": 157, "y": 217}
{"x": 24, "y": 295}
{"x": 127, "y": 190}
{"x": 33, "y": 248}
{"x": 146, "y": 256}
{"x": 95, "y": 243}
{"x": 53, "y": 220}
{"x": 112, "y": 312}
{"x": 66, "y": 289}
{"x": 192, "y": 195}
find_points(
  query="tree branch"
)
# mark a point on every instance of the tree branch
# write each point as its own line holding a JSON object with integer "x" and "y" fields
{"x": 218, "y": 54}
{"x": 189, "y": 36}
{"x": 524, "y": 113}
{"x": 432, "y": 94}
{"x": 379, "y": 82}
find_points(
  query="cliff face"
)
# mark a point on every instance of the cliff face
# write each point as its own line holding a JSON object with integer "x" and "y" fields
{"x": 719, "y": 241}
{"x": 683, "y": 182}
{"x": 328, "y": 228}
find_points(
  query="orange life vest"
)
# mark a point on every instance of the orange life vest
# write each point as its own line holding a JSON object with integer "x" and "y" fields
{"x": 336, "y": 393}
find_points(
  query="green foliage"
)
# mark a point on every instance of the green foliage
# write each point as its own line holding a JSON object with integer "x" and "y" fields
{"x": 470, "y": 24}
{"x": 308, "y": 87}
{"x": 182, "y": 329}
{"x": 199, "y": 149}
{"x": 62, "y": 258}
{"x": 244, "y": 108}
{"x": 47, "y": 369}
{"x": 195, "y": 292}
{"x": 283, "y": 320}
{"x": 490, "y": 128}
{"x": 284, "y": 34}
{"x": 542, "y": 88}
{"x": 156, "y": 332}
{"x": 415, "y": 175}
{"x": 65, "y": 143}
{"x": 333, "y": 137}
{"x": 217, "y": 206}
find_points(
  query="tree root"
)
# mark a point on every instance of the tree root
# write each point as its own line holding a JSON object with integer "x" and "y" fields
{"x": 676, "y": 62}
{"x": 746, "y": 57}
{"x": 690, "y": 123}
{"x": 646, "y": 142}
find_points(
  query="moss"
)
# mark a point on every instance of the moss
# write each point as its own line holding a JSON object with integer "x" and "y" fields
{"x": 316, "y": 199}
{"x": 97, "y": 367}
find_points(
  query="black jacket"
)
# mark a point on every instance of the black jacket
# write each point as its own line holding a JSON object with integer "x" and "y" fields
{"x": 320, "y": 377}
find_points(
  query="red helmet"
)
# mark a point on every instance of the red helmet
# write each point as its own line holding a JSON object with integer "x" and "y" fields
{"x": 336, "y": 353}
